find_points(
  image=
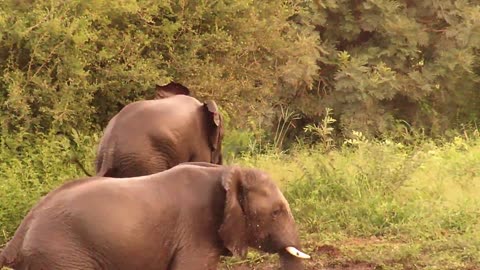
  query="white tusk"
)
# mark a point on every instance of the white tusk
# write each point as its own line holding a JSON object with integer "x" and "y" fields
{"x": 297, "y": 253}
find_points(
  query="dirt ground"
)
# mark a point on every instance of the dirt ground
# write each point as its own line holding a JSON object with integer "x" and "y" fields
{"x": 323, "y": 258}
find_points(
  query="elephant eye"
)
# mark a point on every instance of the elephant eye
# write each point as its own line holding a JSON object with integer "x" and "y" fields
{"x": 277, "y": 212}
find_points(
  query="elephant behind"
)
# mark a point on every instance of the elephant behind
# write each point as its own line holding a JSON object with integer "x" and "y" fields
{"x": 152, "y": 222}
{"x": 150, "y": 136}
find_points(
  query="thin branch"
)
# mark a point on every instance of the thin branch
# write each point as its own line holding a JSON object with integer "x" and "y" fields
{"x": 40, "y": 40}
{"x": 44, "y": 63}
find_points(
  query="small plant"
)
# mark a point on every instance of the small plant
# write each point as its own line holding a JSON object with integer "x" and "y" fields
{"x": 357, "y": 138}
{"x": 285, "y": 122}
{"x": 324, "y": 131}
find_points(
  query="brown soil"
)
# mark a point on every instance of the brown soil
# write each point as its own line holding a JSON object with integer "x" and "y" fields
{"x": 323, "y": 258}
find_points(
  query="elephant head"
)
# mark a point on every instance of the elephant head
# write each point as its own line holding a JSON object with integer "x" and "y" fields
{"x": 171, "y": 89}
{"x": 216, "y": 131}
{"x": 257, "y": 215}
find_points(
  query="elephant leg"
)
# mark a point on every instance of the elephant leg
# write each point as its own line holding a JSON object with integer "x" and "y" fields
{"x": 54, "y": 265}
{"x": 53, "y": 258}
{"x": 195, "y": 259}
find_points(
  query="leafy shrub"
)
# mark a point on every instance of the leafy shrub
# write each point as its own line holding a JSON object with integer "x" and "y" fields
{"x": 381, "y": 188}
{"x": 74, "y": 64}
{"x": 386, "y": 65}
{"x": 31, "y": 166}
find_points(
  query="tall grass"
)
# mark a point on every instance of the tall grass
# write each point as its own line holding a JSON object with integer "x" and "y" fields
{"x": 425, "y": 193}
{"x": 420, "y": 201}
{"x": 381, "y": 188}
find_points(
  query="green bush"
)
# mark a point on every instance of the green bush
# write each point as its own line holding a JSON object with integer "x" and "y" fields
{"x": 384, "y": 188}
{"x": 31, "y": 166}
{"x": 380, "y": 65}
{"x": 384, "y": 60}
{"x": 74, "y": 64}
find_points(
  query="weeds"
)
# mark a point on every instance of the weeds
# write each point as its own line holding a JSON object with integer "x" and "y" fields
{"x": 424, "y": 195}
{"x": 419, "y": 201}
{"x": 285, "y": 122}
{"x": 324, "y": 131}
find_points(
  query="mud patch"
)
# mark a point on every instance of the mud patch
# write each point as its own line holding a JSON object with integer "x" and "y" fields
{"x": 352, "y": 266}
{"x": 324, "y": 257}
{"x": 309, "y": 266}
{"x": 328, "y": 250}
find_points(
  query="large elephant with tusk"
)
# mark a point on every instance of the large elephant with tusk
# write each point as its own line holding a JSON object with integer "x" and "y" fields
{"x": 152, "y": 222}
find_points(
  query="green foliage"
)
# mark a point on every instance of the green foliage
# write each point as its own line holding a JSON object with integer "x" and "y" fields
{"x": 381, "y": 188}
{"x": 31, "y": 166}
{"x": 393, "y": 205}
{"x": 287, "y": 117}
{"x": 324, "y": 131}
{"x": 385, "y": 188}
{"x": 74, "y": 64}
{"x": 419, "y": 201}
{"x": 386, "y": 60}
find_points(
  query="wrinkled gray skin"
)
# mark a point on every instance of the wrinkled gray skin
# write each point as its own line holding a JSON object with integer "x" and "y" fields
{"x": 152, "y": 222}
{"x": 151, "y": 136}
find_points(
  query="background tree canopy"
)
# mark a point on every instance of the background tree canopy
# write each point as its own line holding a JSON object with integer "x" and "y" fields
{"x": 376, "y": 63}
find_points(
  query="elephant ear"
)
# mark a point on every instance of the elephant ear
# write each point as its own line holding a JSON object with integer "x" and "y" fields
{"x": 214, "y": 116}
{"x": 233, "y": 230}
{"x": 171, "y": 89}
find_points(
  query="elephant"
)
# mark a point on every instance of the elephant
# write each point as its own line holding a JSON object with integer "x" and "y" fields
{"x": 185, "y": 217}
{"x": 150, "y": 136}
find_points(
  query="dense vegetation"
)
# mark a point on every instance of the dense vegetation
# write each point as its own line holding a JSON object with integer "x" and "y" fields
{"x": 389, "y": 204}
{"x": 378, "y": 63}
{"x": 364, "y": 111}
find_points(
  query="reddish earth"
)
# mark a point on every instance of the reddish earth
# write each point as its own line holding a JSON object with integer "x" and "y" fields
{"x": 323, "y": 258}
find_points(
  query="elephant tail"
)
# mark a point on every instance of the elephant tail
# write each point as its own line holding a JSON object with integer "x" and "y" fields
{"x": 76, "y": 161}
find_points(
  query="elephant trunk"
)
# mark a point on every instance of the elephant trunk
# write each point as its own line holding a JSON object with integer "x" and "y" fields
{"x": 291, "y": 256}
{"x": 290, "y": 262}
